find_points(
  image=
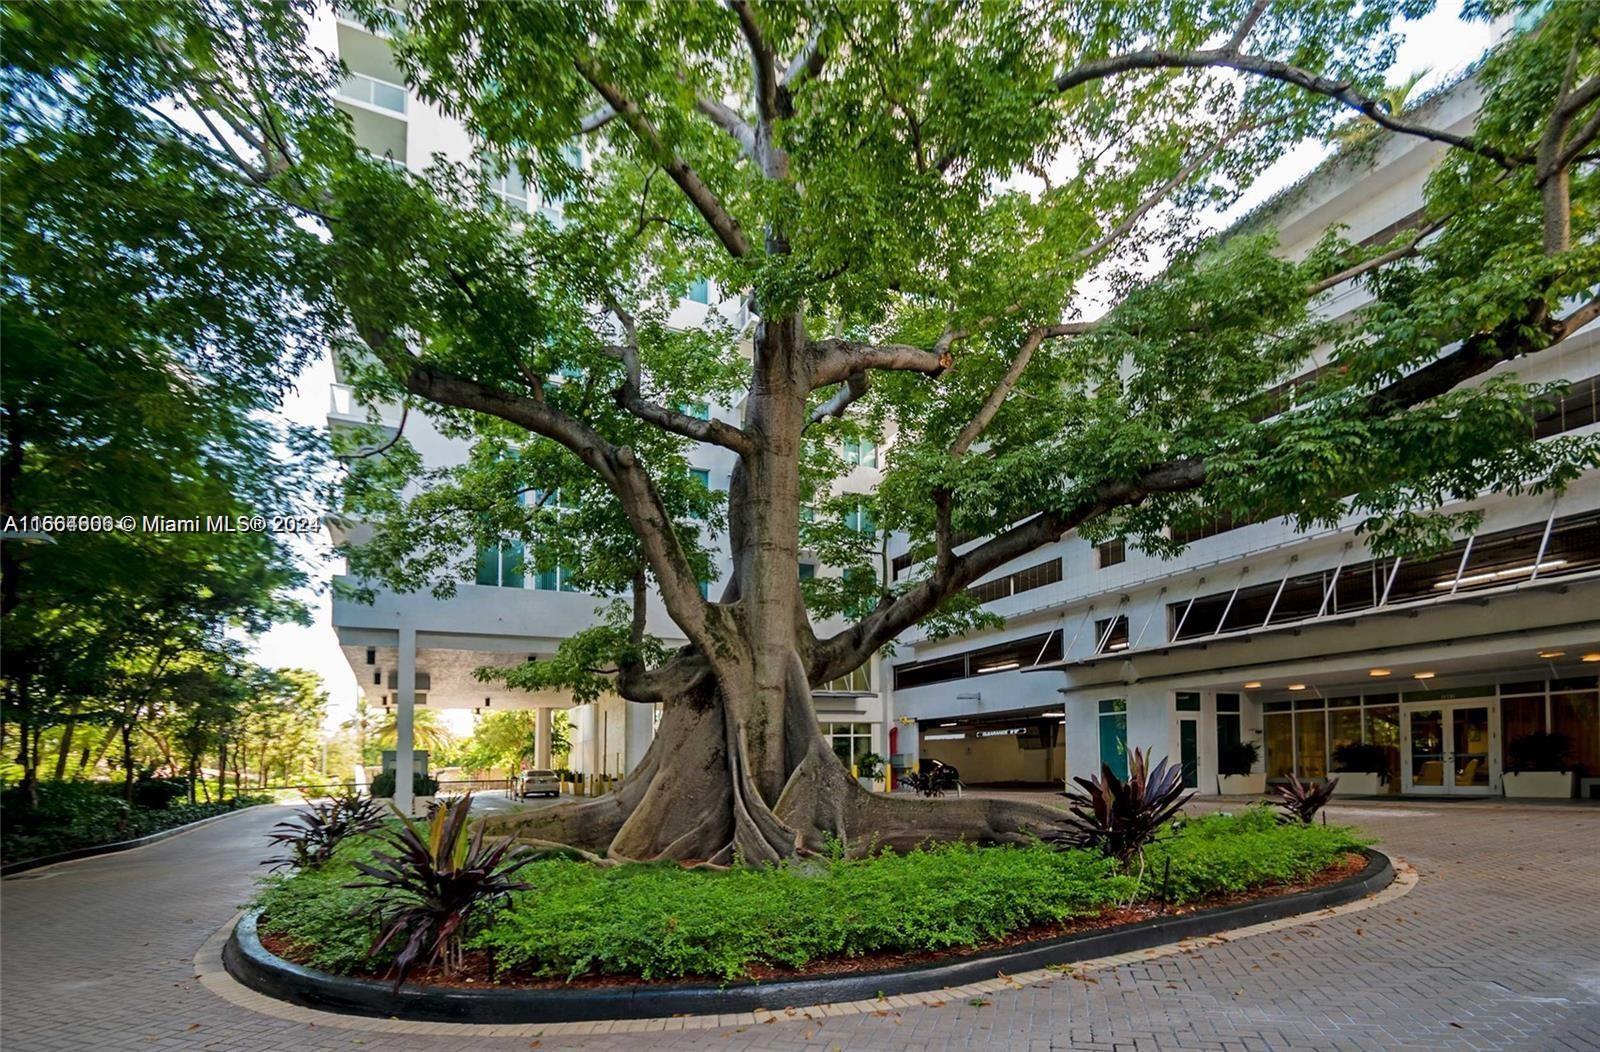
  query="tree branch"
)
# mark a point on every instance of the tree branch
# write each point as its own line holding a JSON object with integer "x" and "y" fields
{"x": 836, "y": 360}
{"x": 721, "y": 221}
{"x": 631, "y": 398}
{"x": 1410, "y": 247}
{"x": 855, "y": 387}
{"x": 617, "y": 467}
{"x": 597, "y": 119}
{"x": 763, "y": 71}
{"x": 728, "y": 120}
{"x": 1274, "y": 69}
{"x": 808, "y": 62}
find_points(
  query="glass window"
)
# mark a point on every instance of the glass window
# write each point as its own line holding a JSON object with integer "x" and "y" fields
{"x": 859, "y": 519}
{"x": 1311, "y": 744}
{"x": 1280, "y": 744}
{"x": 1114, "y": 736}
{"x": 705, "y": 589}
{"x": 850, "y": 741}
{"x": 1519, "y": 717}
{"x": 1110, "y": 553}
{"x": 1576, "y": 714}
{"x": 698, "y": 410}
{"x": 1187, "y": 701}
{"x": 1111, "y": 634}
{"x": 1344, "y": 728}
{"x": 859, "y": 451}
{"x": 1189, "y": 752}
{"x": 1382, "y": 727}
{"x": 808, "y": 571}
{"x": 699, "y": 291}
{"x": 500, "y": 565}
{"x": 1227, "y": 703}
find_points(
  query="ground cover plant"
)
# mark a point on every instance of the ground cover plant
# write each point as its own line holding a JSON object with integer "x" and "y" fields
{"x": 662, "y": 921}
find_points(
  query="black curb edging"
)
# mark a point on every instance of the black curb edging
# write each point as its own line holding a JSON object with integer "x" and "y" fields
{"x": 13, "y": 868}
{"x": 253, "y": 965}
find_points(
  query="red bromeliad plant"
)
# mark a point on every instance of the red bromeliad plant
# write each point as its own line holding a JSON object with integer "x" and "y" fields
{"x": 442, "y": 874}
{"x": 1301, "y": 801}
{"x": 1120, "y": 816}
{"x": 313, "y": 834}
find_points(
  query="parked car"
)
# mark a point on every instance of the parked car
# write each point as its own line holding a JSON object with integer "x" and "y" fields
{"x": 538, "y": 783}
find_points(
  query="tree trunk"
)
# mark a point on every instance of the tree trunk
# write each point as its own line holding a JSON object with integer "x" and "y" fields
{"x": 127, "y": 761}
{"x": 65, "y": 748}
{"x": 739, "y": 769}
{"x": 692, "y": 798}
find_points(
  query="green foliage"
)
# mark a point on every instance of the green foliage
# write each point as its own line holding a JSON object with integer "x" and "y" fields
{"x": 71, "y": 815}
{"x": 421, "y": 785}
{"x": 1238, "y": 758}
{"x": 437, "y": 880}
{"x": 1365, "y": 757}
{"x": 505, "y": 741}
{"x": 661, "y": 921}
{"x": 1539, "y": 751}
{"x": 1220, "y": 854}
{"x": 1299, "y": 802}
{"x": 313, "y": 833}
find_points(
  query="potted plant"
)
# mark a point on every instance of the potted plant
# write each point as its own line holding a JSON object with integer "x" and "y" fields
{"x": 1236, "y": 770}
{"x": 1363, "y": 768}
{"x": 869, "y": 769}
{"x": 1537, "y": 767}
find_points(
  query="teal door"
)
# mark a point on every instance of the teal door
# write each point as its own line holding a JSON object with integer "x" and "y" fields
{"x": 1189, "y": 751}
{"x": 1114, "y": 736}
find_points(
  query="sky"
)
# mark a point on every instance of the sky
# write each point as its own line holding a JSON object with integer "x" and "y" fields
{"x": 1439, "y": 42}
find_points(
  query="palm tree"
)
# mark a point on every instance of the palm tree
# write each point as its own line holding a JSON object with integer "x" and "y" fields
{"x": 427, "y": 730}
{"x": 1393, "y": 99}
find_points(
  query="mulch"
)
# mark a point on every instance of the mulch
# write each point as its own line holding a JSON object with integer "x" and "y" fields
{"x": 478, "y": 969}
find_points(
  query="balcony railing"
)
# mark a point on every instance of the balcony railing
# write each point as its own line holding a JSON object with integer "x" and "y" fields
{"x": 380, "y": 94}
{"x": 395, "y": 18}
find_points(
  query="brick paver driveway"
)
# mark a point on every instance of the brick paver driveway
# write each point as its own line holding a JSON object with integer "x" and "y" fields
{"x": 1497, "y": 947}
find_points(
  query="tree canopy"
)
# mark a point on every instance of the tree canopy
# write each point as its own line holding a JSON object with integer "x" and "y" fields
{"x": 980, "y": 235}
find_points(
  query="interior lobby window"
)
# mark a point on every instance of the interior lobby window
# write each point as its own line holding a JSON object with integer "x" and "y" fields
{"x": 1311, "y": 743}
{"x": 1576, "y": 714}
{"x": 1280, "y": 744}
{"x": 500, "y": 565}
{"x": 1229, "y": 729}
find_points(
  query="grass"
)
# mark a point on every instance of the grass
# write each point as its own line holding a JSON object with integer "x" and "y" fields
{"x": 664, "y": 922}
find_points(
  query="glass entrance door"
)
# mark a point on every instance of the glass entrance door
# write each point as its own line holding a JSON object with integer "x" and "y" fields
{"x": 1450, "y": 748}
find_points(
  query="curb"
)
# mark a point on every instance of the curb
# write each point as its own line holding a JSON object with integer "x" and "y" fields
{"x": 255, "y": 967}
{"x": 13, "y": 868}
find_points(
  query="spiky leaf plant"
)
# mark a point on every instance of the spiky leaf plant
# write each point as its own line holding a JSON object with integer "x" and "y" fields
{"x": 442, "y": 875}
{"x": 312, "y": 834}
{"x": 1300, "y": 801}
{"x": 1120, "y": 816}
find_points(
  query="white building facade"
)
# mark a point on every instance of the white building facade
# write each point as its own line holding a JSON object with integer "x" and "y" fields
{"x": 1299, "y": 641}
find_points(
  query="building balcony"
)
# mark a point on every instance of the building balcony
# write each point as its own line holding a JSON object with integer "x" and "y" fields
{"x": 379, "y": 95}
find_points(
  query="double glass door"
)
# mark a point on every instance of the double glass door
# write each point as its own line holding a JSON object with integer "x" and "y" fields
{"x": 1450, "y": 747}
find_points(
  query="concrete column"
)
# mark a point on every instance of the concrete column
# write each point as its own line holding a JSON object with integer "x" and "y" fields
{"x": 405, "y": 718}
{"x": 596, "y": 732}
{"x": 541, "y": 739}
{"x": 638, "y": 727}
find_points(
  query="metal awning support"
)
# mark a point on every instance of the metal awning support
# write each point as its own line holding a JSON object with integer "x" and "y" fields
{"x": 1111, "y": 626}
{"x": 1544, "y": 542}
{"x": 1333, "y": 582}
{"x": 1393, "y": 573}
{"x": 1149, "y": 618}
{"x": 1067, "y": 652}
{"x": 1287, "y": 573}
{"x": 1461, "y": 567}
{"x": 1231, "y": 597}
{"x": 1177, "y": 633}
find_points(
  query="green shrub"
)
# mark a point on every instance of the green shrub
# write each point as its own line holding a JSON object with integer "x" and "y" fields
{"x": 72, "y": 815}
{"x": 421, "y": 785}
{"x": 661, "y": 921}
{"x": 1218, "y": 854}
{"x": 156, "y": 793}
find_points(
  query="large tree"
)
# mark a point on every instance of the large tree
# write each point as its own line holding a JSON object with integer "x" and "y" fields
{"x": 920, "y": 201}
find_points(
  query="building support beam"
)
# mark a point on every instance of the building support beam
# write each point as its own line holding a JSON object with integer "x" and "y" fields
{"x": 541, "y": 738}
{"x": 405, "y": 719}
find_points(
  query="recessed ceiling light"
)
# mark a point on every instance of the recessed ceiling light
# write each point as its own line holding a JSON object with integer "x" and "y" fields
{"x": 1552, "y": 653}
{"x": 947, "y": 724}
{"x": 1591, "y": 657}
{"x": 1423, "y": 675}
{"x": 1252, "y": 685}
{"x": 1297, "y": 686}
{"x": 1378, "y": 672}
{"x": 1047, "y": 715}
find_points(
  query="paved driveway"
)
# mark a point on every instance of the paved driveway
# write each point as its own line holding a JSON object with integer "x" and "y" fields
{"x": 1497, "y": 947}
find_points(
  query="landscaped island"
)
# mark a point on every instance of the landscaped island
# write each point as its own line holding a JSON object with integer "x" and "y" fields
{"x": 577, "y": 921}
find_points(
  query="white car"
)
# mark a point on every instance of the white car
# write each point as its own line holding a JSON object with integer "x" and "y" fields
{"x": 538, "y": 783}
